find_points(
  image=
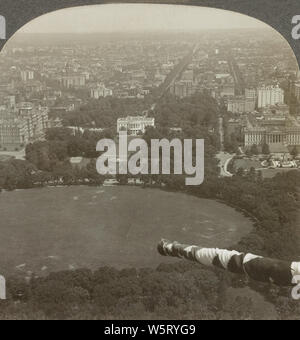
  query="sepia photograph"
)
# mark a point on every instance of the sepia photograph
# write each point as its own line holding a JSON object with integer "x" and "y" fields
{"x": 149, "y": 167}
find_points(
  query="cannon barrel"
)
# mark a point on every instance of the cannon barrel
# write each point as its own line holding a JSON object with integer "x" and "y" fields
{"x": 256, "y": 267}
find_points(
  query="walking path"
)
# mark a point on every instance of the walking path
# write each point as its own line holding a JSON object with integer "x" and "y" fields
{"x": 16, "y": 154}
{"x": 224, "y": 159}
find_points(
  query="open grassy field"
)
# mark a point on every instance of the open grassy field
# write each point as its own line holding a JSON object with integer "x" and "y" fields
{"x": 246, "y": 164}
{"x": 43, "y": 230}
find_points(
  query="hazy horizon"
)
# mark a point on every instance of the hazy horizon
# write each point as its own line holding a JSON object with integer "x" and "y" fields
{"x": 145, "y": 32}
{"x": 138, "y": 18}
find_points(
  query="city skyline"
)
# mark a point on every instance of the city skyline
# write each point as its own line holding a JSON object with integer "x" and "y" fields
{"x": 139, "y": 18}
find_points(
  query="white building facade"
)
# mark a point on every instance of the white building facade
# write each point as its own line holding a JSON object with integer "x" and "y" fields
{"x": 261, "y": 135}
{"x": 101, "y": 91}
{"x": 270, "y": 95}
{"x": 134, "y": 125}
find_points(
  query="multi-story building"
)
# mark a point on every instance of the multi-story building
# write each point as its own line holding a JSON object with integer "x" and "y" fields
{"x": 270, "y": 95}
{"x": 251, "y": 93}
{"x": 100, "y": 91}
{"x": 296, "y": 91}
{"x": 241, "y": 104}
{"x": 36, "y": 119}
{"x": 293, "y": 135}
{"x": 227, "y": 91}
{"x": 10, "y": 101}
{"x": 254, "y": 136}
{"x": 134, "y": 125}
{"x": 74, "y": 81}
{"x": 183, "y": 88}
{"x": 13, "y": 134}
{"x": 27, "y": 75}
{"x": 26, "y": 123}
{"x": 267, "y": 135}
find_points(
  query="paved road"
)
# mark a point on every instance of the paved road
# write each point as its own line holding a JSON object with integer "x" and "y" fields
{"x": 221, "y": 132}
{"x": 178, "y": 69}
{"x": 16, "y": 154}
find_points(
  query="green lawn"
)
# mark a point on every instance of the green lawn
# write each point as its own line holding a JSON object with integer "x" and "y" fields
{"x": 49, "y": 229}
{"x": 246, "y": 164}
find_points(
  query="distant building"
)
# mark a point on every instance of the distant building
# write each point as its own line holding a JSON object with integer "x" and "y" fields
{"x": 296, "y": 90}
{"x": 75, "y": 81}
{"x": 35, "y": 117}
{"x": 277, "y": 110}
{"x": 254, "y": 136}
{"x": 27, "y": 75}
{"x": 134, "y": 125}
{"x": 26, "y": 123}
{"x": 270, "y": 95}
{"x": 10, "y": 101}
{"x": 241, "y": 104}
{"x": 293, "y": 135}
{"x": 176, "y": 129}
{"x": 182, "y": 89}
{"x": 78, "y": 129}
{"x": 188, "y": 75}
{"x": 227, "y": 91}
{"x": 270, "y": 135}
{"x": 251, "y": 93}
{"x": 13, "y": 134}
{"x": 100, "y": 91}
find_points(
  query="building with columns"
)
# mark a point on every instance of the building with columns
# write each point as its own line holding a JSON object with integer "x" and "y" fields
{"x": 73, "y": 80}
{"x": 27, "y": 75}
{"x": 254, "y": 136}
{"x": 270, "y": 135}
{"x": 134, "y": 124}
{"x": 293, "y": 135}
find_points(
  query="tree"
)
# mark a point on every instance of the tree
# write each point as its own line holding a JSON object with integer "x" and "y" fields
{"x": 254, "y": 149}
{"x": 266, "y": 149}
{"x": 259, "y": 176}
{"x": 294, "y": 152}
{"x": 252, "y": 174}
{"x": 248, "y": 152}
{"x": 240, "y": 172}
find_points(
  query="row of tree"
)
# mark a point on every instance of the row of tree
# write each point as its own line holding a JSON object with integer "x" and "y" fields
{"x": 180, "y": 291}
{"x": 19, "y": 174}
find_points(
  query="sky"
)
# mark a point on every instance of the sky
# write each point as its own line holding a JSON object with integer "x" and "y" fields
{"x": 138, "y": 17}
